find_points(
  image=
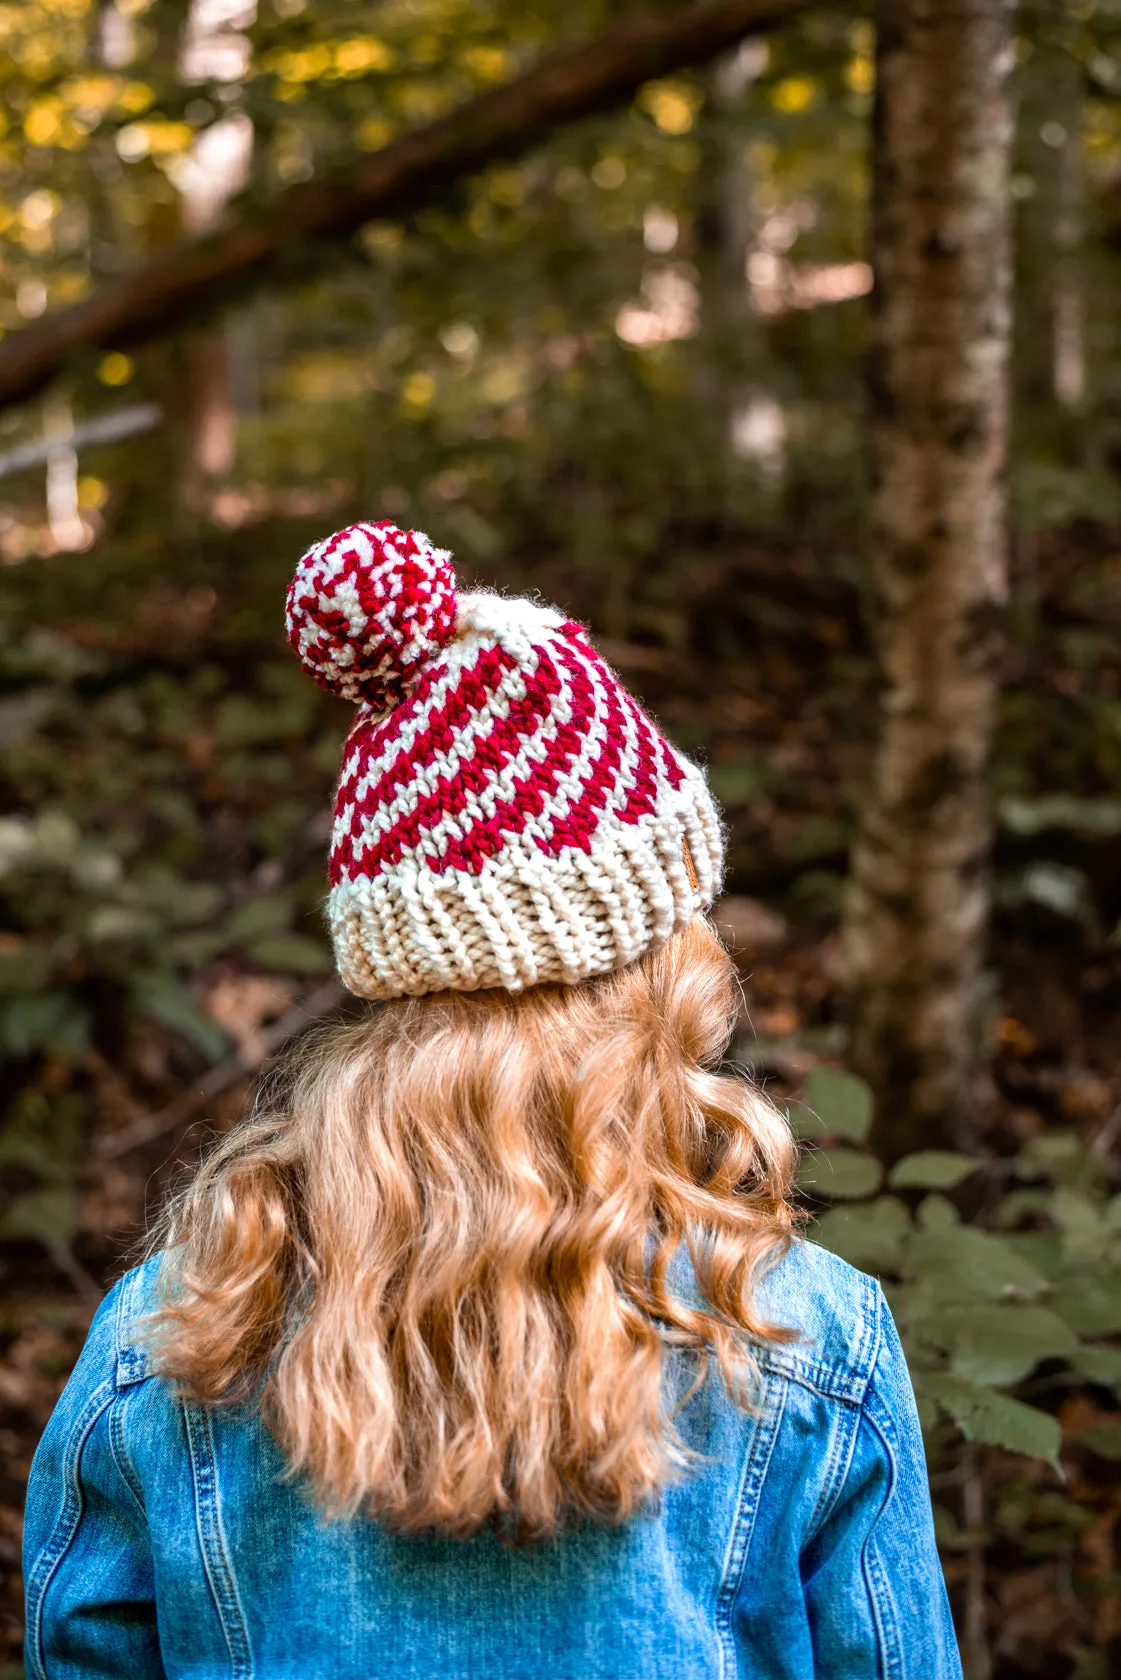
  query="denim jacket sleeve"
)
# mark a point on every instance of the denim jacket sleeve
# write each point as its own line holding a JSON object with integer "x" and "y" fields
{"x": 875, "y": 1596}
{"x": 90, "y": 1590}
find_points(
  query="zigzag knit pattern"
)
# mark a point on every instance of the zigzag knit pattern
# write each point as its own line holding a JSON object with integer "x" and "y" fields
{"x": 507, "y": 814}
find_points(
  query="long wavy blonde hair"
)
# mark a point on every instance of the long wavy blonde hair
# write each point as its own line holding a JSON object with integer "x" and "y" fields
{"x": 437, "y": 1251}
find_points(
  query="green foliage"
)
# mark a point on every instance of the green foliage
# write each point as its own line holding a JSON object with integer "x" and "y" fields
{"x": 842, "y": 1174}
{"x": 120, "y": 909}
{"x": 996, "y": 1419}
{"x": 842, "y": 1104}
{"x": 931, "y": 1169}
{"x": 983, "y": 1306}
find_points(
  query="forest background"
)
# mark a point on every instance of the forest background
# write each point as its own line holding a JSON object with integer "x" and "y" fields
{"x": 664, "y": 334}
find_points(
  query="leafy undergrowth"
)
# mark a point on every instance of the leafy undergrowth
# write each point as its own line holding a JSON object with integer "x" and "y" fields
{"x": 161, "y": 853}
{"x": 1009, "y": 1304}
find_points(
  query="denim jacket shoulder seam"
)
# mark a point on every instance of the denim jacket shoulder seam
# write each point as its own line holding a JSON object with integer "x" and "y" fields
{"x": 830, "y": 1381}
{"x": 132, "y": 1361}
{"x": 66, "y": 1525}
{"x": 212, "y": 1541}
{"x": 756, "y": 1463}
{"x": 848, "y": 1382}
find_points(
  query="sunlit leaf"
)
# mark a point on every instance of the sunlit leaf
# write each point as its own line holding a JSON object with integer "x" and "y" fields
{"x": 983, "y": 1414}
{"x": 843, "y": 1102}
{"x": 931, "y": 1169}
{"x": 840, "y": 1174}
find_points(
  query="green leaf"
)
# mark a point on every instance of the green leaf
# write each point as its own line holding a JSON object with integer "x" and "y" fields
{"x": 804, "y": 1123}
{"x": 1019, "y": 1205}
{"x": 983, "y": 1414}
{"x": 937, "y": 1213}
{"x": 1041, "y": 1249}
{"x": 1103, "y": 1439}
{"x": 1090, "y": 1305}
{"x": 257, "y": 918}
{"x": 931, "y": 1169}
{"x": 842, "y": 1102}
{"x": 870, "y": 1236}
{"x": 1097, "y": 819}
{"x": 172, "y": 898}
{"x": 1085, "y": 1236}
{"x": 290, "y": 953}
{"x": 1098, "y": 1364}
{"x": 163, "y": 998}
{"x": 738, "y": 783}
{"x": 842, "y": 1174}
{"x": 997, "y": 1344}
{"x": 44, "y": 1137}
{"x": 947, "y": 1264}
{"x": 52, "y": 1021}
{"x": 1059, "y": 1154}
{"x": 193, "y": 948}
{"x": 120, "y": 924}
{"x": 48, "y": 1215}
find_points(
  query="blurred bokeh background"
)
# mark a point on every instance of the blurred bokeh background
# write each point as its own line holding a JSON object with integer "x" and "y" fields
{"x": 624, "y": 364}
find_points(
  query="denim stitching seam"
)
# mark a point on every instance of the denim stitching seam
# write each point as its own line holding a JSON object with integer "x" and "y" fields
{"x": 832, "y": 1381}
{"x": 65, "y": 1528}
{"x": 121, "y": 1457}
{"x": 132, "y": 1362}
{"x": 835, "y": 1382}
{"x": 843, "y": 1440}
{"x": 879, "y": 1587}
{"x": 842, "y": 1446}
{"x": 216, "y": 1558}
{"x": 755, "y": 1469}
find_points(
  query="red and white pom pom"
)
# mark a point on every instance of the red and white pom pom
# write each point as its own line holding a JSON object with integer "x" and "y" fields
{"x": 368, "y": 608}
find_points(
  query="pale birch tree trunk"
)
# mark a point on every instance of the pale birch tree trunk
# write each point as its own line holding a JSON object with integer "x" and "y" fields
{"x": 919, "y": 898}
{"x": 727, "y": 343}
{"x": 1049, "y": 360}
{"x": 213, "y": 46}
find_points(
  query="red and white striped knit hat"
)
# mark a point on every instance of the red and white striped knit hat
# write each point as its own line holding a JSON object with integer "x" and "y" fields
{"x": 506, "y": 812}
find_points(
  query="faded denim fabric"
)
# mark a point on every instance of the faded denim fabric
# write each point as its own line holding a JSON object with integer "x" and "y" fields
{"x": 163, "y": 1539}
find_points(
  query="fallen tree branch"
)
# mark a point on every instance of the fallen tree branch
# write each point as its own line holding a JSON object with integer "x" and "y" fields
{"x": 149, "y": 1127}
{"x": 393, "y": 181}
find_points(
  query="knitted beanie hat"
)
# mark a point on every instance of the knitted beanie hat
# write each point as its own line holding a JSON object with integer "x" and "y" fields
{"x": 506, "y": 812}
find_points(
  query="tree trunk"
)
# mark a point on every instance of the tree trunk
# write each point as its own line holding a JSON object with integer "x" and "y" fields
{"x": 723, "y": 238}
{"x": 216, "y": 169}
{"x": 1049, "y": 358}
{"x": 918, "y": 902}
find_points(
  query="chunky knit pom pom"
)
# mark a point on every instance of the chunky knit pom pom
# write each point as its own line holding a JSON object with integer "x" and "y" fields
{"x": 368, "y": 607}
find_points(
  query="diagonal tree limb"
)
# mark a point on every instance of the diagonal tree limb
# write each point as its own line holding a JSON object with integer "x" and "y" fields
{"x": 564, "y": 86}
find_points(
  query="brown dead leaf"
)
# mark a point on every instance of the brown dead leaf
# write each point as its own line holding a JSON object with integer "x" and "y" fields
{"x": 244, "y": 1004}
{"x": 747, "y": 925}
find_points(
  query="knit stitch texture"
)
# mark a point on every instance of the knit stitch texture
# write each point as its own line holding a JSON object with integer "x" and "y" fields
{"x": 506, "y": 814}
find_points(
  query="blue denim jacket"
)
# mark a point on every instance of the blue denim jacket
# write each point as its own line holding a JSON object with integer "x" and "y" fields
{"x": 165, "y": 1539}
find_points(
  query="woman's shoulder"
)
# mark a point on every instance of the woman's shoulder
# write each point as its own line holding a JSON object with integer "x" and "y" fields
{"x": 838, "y": 1313}
{"x": 114, "y": 1352}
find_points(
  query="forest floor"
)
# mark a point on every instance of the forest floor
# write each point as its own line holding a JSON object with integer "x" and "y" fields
{"x": 802, "y": 696}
